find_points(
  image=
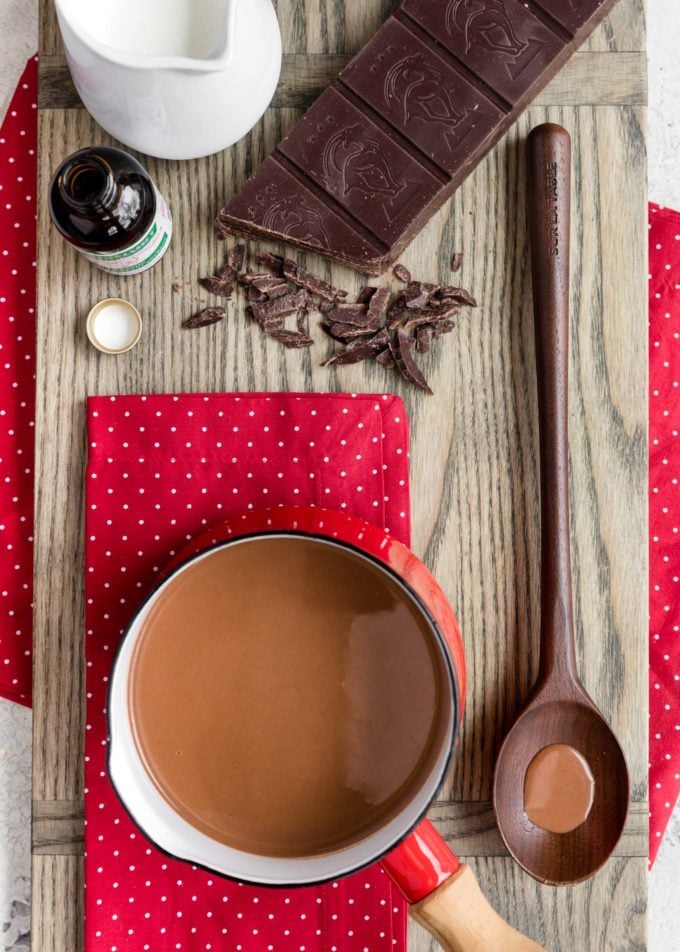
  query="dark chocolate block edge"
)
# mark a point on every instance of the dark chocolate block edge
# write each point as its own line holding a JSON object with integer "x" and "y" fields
{"x": 405, "y": 123}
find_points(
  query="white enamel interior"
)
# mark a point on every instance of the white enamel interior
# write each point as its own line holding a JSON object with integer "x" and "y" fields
{"x": 173, "y": 834}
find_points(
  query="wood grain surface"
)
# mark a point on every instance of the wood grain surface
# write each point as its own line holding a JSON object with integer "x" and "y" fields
{"x": 473, "y": 453}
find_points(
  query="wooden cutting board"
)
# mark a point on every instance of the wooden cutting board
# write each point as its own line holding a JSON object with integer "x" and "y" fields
{"x": 474, "y": 444}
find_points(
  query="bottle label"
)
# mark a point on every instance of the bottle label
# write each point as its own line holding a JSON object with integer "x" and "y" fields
{"x": 146, "y": 251}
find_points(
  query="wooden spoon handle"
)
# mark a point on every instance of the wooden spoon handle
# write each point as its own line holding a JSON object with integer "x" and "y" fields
{"x": 461, "y": 920}
{"x": 549, "y": 191}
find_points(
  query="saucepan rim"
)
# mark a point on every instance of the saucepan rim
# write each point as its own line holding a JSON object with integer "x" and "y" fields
{"x": 341, "y": 869}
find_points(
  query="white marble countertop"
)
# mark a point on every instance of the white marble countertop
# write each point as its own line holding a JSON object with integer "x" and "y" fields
{"x": 18, "y": 39}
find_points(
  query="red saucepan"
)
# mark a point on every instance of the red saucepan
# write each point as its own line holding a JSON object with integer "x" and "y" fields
{"x": 443, "y": 892}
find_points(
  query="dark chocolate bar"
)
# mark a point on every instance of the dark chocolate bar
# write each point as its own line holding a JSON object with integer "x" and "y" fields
{"x": 405, "y": 123}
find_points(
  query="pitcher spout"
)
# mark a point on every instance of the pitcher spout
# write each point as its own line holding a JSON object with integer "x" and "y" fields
{"x": 187, "y": 35}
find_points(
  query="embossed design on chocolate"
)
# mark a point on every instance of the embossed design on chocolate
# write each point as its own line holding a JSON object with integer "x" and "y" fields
{"x": 487, "y": 25}
{"x": 420, "y": 92}
{"x": 435, "y": 88}
{"x": 354, "y": 160}
{"x": 294, "y": 217}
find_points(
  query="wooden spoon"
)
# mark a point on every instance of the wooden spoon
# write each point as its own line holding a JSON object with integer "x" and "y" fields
{"x": 559, "y": 711}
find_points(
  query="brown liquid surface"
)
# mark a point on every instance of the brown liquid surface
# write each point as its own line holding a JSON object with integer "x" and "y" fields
{"x": 559, "y": 789}
{"x": 285, "y": 696}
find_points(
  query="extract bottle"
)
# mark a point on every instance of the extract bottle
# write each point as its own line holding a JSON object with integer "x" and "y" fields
{"x": 105, "y": 204}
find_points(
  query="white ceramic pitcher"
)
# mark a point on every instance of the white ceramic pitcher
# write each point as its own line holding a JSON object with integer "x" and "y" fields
{"x": 177, "y": 79}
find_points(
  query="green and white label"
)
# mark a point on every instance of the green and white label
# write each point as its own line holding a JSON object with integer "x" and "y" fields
{"x": 145, "y": 252}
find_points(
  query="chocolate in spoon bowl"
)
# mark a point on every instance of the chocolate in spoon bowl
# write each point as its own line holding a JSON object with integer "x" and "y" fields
{"x": 561, "y": 785}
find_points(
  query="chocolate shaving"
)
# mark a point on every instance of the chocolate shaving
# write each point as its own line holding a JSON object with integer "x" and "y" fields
{"x": 456, "y": 261}
{"x": 356, "y": 314}
{"x": 459, "y": 295}
{"x": 273, "y": 262}
{"x": 402, "y": 272}
{"x": 360, "y": 351}
{"x": 347, "y": 332}
{"x": 266, "y": 323}
{"x": 236, "y": 257}
{"x": 221, "y": 283}
{"x": 279, "y": 307}
{"x": 209, "y": 315}
{"x": 366, "y": 294}
{"x": 385, "y": 359}
{"x": 401, "y": 347}
{"x": 397, "y": 312}
{"x": 441, "y": 328}
{"x": 440, "y": 312}
{"x": 378, "y": 302}
{"x": 302, "y": 322}
{"x": 305, "y": 279}
{"x": 250, "y": 277}
{"x": 424, "y": 335}
{"x": 418, "y": 293}
{"x": 419, "y": 319}
{"x": 265, "y": 287}
{"x": 292, "y": 339}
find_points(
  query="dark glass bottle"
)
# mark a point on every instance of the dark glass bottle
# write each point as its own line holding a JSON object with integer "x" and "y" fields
{"x": 104, "y": 202}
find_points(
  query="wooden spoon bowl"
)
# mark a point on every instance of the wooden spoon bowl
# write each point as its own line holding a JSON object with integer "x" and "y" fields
{"x": 559, "y": 710}
{"x": 562, "y": 858}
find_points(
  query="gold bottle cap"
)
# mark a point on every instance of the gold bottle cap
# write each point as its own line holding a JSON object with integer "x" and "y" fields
{"x": 114, "y": 326}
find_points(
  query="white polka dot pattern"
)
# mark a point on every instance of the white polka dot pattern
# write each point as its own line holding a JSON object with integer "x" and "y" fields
{"x": 664, "y": 519}
{"x": 17, "y": 384}
{"x": 163, "y": 469}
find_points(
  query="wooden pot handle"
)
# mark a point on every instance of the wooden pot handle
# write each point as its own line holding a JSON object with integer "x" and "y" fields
{"x": 461, "y": 920}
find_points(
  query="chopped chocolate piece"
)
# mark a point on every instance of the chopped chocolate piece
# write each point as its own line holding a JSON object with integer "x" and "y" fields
{"x": 279, "y": 307}
{"x": 221, "y": 283}
{"x": 177, "y": 285}
{"x": 249, "y": 277}
{"x": 440, "y": 312}
{"x": 356, "y": 314}
{"x": 397, "y": 312}
{"x": 408, "y": 119}
{"x": 266, "y": 322}
{"x": 305, "y": 279}
{"x": 419, "y": 318}
{"x": 326, "y": 307}
{"x": 402, "y": 272}
{"x": 235, "y": 257}
{"x": 456, "y": 261}
{"x": 329, "y": 329}
{"x": 360, "y": 351}
{"x": 209, "y": 315}
{"x": 302, "y": 322}
{"x": 459, "y": 295}
{"x": 385, "y": 359}
{"x": 366, "y": 294}
{"x": 401, "y": 347}
{"x": 441, "y": 328}
{"x": 266, "y": 286}
{"x": 378, "y": 302}
{"x": 348, "y": 332}
{"x": 273, "y": 262}
{"x": 424, "y": 335}
{"x": 418, "y": 293}
{"x": 291, "y": 339}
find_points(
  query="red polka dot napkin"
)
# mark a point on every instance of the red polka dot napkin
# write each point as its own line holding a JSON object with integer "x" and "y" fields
{"x": 17, "y": 384}
{"x": 664, "y": 519}
{"x": 161, "y": 470}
